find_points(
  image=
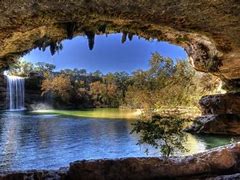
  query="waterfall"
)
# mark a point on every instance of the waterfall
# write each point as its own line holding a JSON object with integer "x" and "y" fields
{"x": 16, "y": 92}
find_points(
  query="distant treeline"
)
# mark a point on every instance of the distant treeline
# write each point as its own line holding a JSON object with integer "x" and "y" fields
{"x": 166, "y": 83}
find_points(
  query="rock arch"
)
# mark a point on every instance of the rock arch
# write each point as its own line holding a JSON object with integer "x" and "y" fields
{"x": 208, "y": 30}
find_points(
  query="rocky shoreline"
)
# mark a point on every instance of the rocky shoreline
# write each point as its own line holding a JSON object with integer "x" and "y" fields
{"x": 218, "y": 163}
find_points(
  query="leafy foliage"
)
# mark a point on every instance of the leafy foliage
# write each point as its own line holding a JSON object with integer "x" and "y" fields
{"x": 165, "y": 83}
{"x": 163, "y": 133}
{"x": 59, "y": 85}
{"x": 91, "y": 89}
{"x": 21, "y": 68}
{"x": 24, "y": 68}
{"x": 103, "y": 93}
{"x": 168, "y": 84}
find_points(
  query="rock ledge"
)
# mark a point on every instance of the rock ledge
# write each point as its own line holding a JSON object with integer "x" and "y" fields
{"x": 219, "y": 163}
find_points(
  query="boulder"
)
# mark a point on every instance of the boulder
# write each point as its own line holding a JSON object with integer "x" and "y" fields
{"x": 226, "y": 177}
{"x": 217, "y": 161}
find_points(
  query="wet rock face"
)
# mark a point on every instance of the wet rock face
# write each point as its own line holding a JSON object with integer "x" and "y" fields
{"x": 33, "y": 93}
{"x": 220, "y": 115}
{"x": 3, "y": 92}
{"x": 206, "y": 29}
{"x": 220, "y": 104}
{"x": 231, "y": 85}
{"x": 224, "y": 124}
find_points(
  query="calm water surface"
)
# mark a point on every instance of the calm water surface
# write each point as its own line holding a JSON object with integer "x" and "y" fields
{"x": 41, "y": 141}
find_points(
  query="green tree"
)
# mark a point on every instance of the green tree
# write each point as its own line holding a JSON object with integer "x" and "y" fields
{"x": 21, "y": 68}
{"x": 42, "y": 68}
{"x": 83, "y": 72}
{"x": 97, "y": 73}
{"x": 104, "y": 94}
{"x": 122, "y": 80}
{"x": 167, "y": 84}
{"x": 59, "y": 85}
{"x": 163, "y": 133}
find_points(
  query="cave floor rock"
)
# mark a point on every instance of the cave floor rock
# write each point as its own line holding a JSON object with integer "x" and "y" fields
{"x": 219, "y": 163}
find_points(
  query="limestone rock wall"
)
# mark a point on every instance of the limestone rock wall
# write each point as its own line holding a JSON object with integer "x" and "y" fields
{"x": 3, "y": 92}
{"x": 220, "y": 104}
{"x": 220, "y": 115}
{"x": 33, "y": 94}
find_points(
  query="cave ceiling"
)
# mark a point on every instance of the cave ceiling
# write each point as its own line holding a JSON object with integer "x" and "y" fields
{"x": 209, "y": 30}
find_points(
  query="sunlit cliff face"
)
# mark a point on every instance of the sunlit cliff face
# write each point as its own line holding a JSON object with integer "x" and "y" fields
{"x": 206, "y": 29}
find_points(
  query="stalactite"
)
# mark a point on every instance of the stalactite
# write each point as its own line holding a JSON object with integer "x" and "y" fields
{"x": 42, "y": 43}
{"x": 91, "y": 36}
{"x": 124, "y": 37}
{"x": 102, "y": 28}
{"x": 130, "y": 36}
{"x": 53, "y": 48}
{"x": 70, "y": 28}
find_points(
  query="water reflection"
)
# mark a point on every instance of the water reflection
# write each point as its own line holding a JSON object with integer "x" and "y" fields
{"x": 9, "y": 148}
{"x": 49, "y": 141}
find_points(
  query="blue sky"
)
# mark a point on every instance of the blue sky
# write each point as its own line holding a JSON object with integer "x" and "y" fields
{"x": 108, "y": 55}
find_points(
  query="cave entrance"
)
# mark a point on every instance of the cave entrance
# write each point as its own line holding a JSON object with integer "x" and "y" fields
{"x": 207, "y": 31}
{"x": 86, "y": 57}
{"x": 89, "y": 90}
{"x": 92, "y": 71}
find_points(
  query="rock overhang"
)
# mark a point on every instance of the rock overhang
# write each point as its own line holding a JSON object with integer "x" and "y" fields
{"x": 208, "y": 30}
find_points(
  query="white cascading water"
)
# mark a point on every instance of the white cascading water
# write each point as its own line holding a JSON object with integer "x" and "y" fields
{"x": 16, "y": 92}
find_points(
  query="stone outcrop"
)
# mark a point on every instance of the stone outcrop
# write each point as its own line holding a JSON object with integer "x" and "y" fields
{"x": 216, "y": 164}
{"x": 225, "y": 124}
{"x": 226, "y": 177}
{"x": 220, "y": 115}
